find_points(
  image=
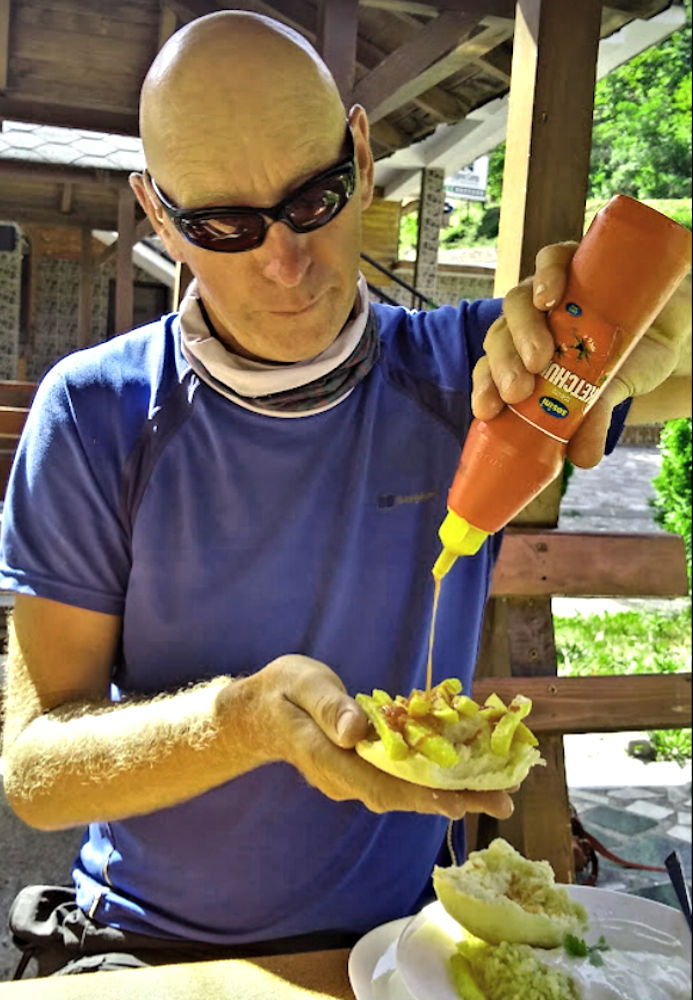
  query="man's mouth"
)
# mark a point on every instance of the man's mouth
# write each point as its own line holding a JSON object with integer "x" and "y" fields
{"x": 297, "y": 310}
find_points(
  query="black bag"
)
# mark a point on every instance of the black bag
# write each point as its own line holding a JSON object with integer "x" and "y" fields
{"x": 47, "y": 925}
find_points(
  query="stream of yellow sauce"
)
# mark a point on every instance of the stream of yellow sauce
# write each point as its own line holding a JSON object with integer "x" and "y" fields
{"x": 431, "y": 634}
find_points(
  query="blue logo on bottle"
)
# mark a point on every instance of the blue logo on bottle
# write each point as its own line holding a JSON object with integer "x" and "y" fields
{"x": 573, "y": 308}
{"x": 553, "y": 407}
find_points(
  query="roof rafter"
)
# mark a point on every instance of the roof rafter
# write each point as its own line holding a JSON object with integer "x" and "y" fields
{"x": 422, "y": 63}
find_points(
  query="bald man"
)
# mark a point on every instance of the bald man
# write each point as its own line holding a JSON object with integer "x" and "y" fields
{"x": 220, "y": 527}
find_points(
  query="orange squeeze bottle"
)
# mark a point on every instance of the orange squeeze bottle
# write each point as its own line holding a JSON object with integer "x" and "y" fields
{"x": 626, "y": 267}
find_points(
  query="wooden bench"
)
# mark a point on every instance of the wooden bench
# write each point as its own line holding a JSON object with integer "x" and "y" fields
{"x": 12, "y": 417}
{"x": 518, "y": 655}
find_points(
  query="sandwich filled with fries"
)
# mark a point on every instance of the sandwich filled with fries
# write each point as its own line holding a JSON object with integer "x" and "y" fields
{"x": 444, "y": 739}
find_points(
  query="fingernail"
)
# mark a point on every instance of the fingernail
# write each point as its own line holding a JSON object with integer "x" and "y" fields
{"x": 540, "y": 289}
{"x": 551, "y": 304}
{"x": 507, "y": 382}
{"x": 344, "y": 723}
{"x": 528, "y": 353}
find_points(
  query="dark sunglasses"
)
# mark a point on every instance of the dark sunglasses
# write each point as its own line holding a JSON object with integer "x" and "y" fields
{"x": 233, "y": 229}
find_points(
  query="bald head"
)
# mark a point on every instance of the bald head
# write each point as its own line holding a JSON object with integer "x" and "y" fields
{"x": 223, "y": 82}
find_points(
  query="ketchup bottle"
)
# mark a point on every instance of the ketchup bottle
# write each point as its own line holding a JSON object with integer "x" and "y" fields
{"x": 626, "y": 267}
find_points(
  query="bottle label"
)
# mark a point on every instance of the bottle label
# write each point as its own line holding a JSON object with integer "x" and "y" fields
{"x": 587, "y": 351}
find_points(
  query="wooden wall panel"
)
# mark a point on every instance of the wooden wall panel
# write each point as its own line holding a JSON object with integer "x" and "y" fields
{"x": 380, "y": 237}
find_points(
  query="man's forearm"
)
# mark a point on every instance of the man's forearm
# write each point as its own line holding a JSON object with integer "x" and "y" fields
{"x": 83, "y": 763}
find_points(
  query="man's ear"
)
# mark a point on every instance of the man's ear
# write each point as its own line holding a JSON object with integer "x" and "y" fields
{"x": 358, "y": 119}
{"x": 161, "y": 224}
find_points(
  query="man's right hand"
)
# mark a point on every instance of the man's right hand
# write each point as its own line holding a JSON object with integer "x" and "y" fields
{"x": 305, "y": 717}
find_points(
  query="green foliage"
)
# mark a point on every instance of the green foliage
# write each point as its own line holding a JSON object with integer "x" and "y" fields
{"x": 568, "y": 470}
{"x": 642, "y": 123}
{"x": 641, "y": 140}
{"x": 672, "y": 503}
{"x": 629, "y": 642}
{"x": 672, "y": 744}
{"x": 494, "y": 180}
{"x": 471, "y": 224}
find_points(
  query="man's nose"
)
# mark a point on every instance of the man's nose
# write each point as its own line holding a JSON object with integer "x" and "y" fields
{"x": 286, "y": 255}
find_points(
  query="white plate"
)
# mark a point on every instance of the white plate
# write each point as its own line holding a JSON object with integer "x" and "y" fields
{"x": 425, "y": 945}
{"x": 372, "y": 967}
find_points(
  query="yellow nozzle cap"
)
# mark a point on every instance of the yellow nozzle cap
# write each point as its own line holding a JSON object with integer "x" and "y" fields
{"x": 443, "y": 563}
{"x": 459, "y": 536}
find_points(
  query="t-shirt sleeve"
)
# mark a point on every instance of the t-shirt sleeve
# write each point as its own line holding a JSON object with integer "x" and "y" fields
{"x": 63, "y": 536}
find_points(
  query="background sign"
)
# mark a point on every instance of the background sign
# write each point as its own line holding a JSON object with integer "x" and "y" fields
{"x": 468, "y": 184}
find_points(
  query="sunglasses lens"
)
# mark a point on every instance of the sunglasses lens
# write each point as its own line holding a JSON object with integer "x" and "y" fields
{"x": 316, "y": 205}
{"x": 229, "y": 233}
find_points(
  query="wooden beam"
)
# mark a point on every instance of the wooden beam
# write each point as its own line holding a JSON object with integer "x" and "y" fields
{"x": 86, "y": 285}
{"x": 403, "y": 7}
{"x": 12, "y": 419}
{"x": 62, "y": 173}
{"x": 431, "y": 9}
{"x": 42, "y": 110}
{"x": 66, "y": 198}
{"x": 614, "y": 704}
{"x": 485, "y": 65}
{"x": 124, "y": 266}
{"x": 388, "y": 135}
{"x": 556, "y": 563}
{"x": 53, "y": 217}
{"x": 143, "y": 228}
{"x": 188, "y": 10}
{"x": 336, "y": 41}
{"x": 433, "y": 54}
{"x": 16, "y": 393}
{"x": 549, "y": 131}
{"x": 379, "y": 90}
{"x": 4, "y": 42}
{"x": 168, "y": 23}
{"x": 442, "y": 105}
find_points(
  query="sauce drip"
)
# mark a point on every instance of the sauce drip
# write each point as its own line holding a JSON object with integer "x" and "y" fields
{"x": 431, "y": 634}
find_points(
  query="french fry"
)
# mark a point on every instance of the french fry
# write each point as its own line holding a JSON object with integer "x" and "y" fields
{"x": 393, "y": 742}
{"x": 502, "y": 735}
{"x": 525, "y": 735}
{"x": 465, "y": 705}
{"x": 435, "y": 747}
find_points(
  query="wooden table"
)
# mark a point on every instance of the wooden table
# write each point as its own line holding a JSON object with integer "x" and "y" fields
{"x": 277, "y": 977}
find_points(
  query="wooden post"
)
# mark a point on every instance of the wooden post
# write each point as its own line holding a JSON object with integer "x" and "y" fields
{"x": 168, "y": 23}
{"x": 183, "y": 278}
{"x": 124, "y": 268}
{"x": 336, "y": 41}
{"x": 431, "y": 205}
{"x": 4, "y": 43}
{"x": 86, "y": 281}
{"x": 544, "y": 189}
{"x": 549, "y": 131}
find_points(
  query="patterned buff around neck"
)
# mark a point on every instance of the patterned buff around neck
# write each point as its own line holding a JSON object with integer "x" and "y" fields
{"x": 335, "y": 384}
{"x": 314, "y": 395}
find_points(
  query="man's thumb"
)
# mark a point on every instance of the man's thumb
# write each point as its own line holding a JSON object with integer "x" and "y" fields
{"x": 352, "y": 726}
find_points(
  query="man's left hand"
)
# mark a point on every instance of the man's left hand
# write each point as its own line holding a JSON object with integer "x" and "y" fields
{"x": 519, "y": 345}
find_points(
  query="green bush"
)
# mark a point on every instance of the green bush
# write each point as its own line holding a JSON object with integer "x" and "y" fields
{"x": 672, "y": 503}
{"x": 629, "y": 642}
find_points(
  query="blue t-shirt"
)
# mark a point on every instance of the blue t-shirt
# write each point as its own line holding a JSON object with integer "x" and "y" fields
{"x": 226, "y": 538}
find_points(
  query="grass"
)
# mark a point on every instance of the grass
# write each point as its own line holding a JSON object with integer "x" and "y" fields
{"x": 629, "y": 642}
